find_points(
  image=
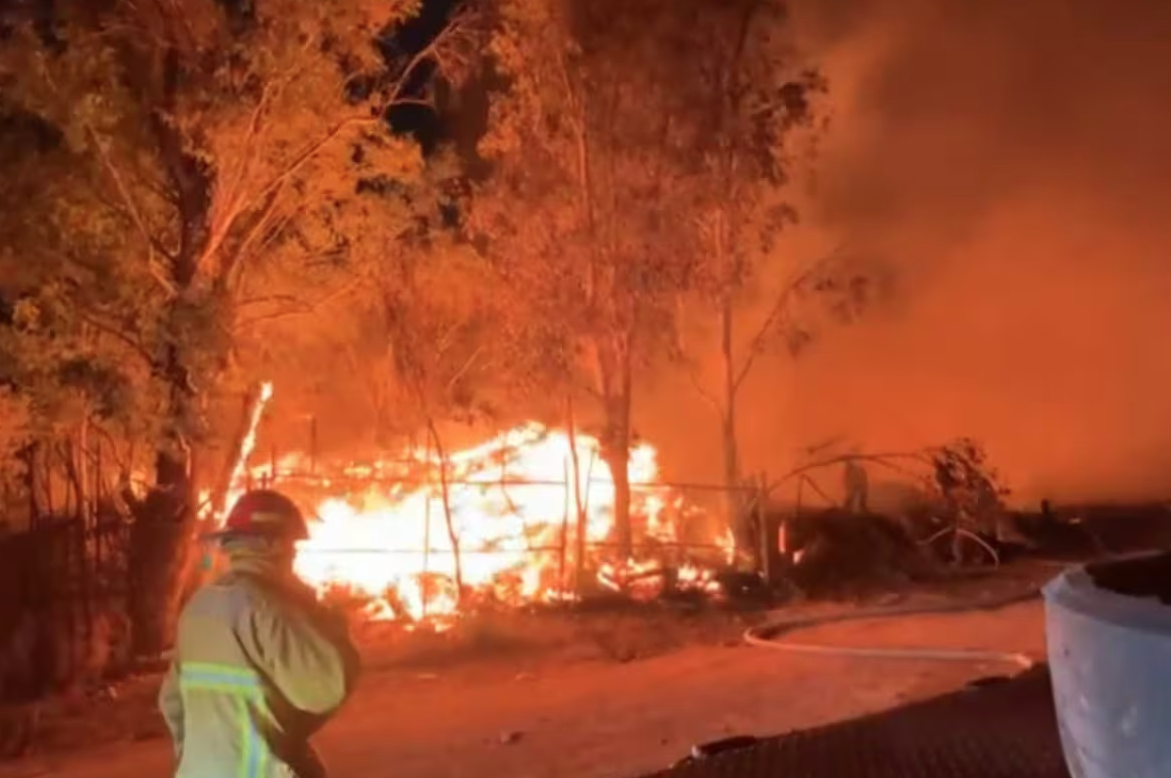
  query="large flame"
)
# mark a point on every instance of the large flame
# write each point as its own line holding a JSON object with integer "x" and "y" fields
{"x": 513, "y": 515}
{"x": 501, "y": 518}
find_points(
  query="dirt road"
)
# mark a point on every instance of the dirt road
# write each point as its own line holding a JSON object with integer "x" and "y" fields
{"x": 591, "y": 718}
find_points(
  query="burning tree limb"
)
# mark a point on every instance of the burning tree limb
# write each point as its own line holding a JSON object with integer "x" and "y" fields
{"x": 241, "y": 445}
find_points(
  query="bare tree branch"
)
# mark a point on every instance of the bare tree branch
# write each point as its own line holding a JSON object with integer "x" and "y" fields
{"x": 467, "y": 365}
{"x": 780, "y": 308}
{"x": 296, "y": 306}
{"x": 227, "y": 220}
{"x": 884, "y": 459}
{"x": 702, "y": 391}
{"x": 269, "y": 94}
{"x": 120, "y": 335}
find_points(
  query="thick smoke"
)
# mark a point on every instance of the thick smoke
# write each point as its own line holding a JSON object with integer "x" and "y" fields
{"x": 1013, "y": 160}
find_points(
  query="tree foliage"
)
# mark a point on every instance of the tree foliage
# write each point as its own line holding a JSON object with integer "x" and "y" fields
{"x": 214, "y": 158}
{"x": 226, "y": 147}
{"x": 202, "y": 194}
{"x": 442, "y": 317}
{"x": 641, "y": 159}
{"x": 588, "y": 205}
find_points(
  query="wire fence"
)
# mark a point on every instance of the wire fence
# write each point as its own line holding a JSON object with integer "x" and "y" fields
{"x": 400, "y": 534}
{"x": 65, "y": 584}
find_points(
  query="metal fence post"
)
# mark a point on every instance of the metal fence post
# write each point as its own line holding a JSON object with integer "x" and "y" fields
{"x": 426, "y": 533}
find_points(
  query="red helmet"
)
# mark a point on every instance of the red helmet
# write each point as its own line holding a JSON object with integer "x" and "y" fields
{"x": 267, "y": 513}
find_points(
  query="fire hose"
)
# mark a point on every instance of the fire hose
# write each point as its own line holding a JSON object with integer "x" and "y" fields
{"x": 767, "y": 635}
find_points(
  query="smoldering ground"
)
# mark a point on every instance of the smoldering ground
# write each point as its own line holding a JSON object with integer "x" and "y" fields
{"x": 1010, "y": 160}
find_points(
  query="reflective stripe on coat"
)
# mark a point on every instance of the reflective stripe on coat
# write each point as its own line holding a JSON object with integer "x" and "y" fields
{"x": 259, "y": 667}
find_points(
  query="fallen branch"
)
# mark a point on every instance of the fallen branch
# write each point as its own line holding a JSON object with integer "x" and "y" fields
{"x": 963, "y": 533}
{"x": 806, "y": 480}
{"x": 922, "y": 456}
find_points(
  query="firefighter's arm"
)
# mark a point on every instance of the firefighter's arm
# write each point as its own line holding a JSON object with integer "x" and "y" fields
{"x": 171, "y": 706}
{"x": 307, "y": 655}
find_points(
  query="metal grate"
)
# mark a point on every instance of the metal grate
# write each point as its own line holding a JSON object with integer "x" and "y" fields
{"x": 1001, "y": 730}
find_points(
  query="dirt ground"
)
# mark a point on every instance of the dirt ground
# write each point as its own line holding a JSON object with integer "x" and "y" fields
{"x": 594, "y": 694}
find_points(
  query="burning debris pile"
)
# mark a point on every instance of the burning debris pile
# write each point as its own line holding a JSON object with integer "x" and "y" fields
{"x": 418, "y": 539}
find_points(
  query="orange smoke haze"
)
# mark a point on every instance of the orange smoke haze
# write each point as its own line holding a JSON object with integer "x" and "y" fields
{"x": 1011, "y": 160}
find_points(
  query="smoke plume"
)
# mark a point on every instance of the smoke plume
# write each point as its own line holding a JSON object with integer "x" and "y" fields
{"x": 1011, "y": 160}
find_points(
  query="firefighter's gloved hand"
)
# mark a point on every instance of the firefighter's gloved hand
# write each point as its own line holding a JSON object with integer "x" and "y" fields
{"x": 332, "y": 619}
{"x": 336, "y": 618}
{"x": 328, "y": 616}
{"x": 336, "y": 624}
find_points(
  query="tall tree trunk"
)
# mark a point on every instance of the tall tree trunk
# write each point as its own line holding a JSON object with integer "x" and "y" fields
{"x": 615, "y": 445}
{"x": 28, "y": 457}
{"x": 578, "y": 499}
{"x": 86, "y": 501}
{"x": 163, "y": 531}
{"x": 617, "y": 458}
{"x": 734, "y": 503}
{"x": 75, "y": 485}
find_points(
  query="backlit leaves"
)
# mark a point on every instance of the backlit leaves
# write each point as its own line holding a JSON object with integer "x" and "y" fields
{"x": 206, "y": 172}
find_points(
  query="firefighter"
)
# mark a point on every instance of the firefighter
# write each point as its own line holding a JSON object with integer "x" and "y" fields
{"x": 259, "y": 664}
